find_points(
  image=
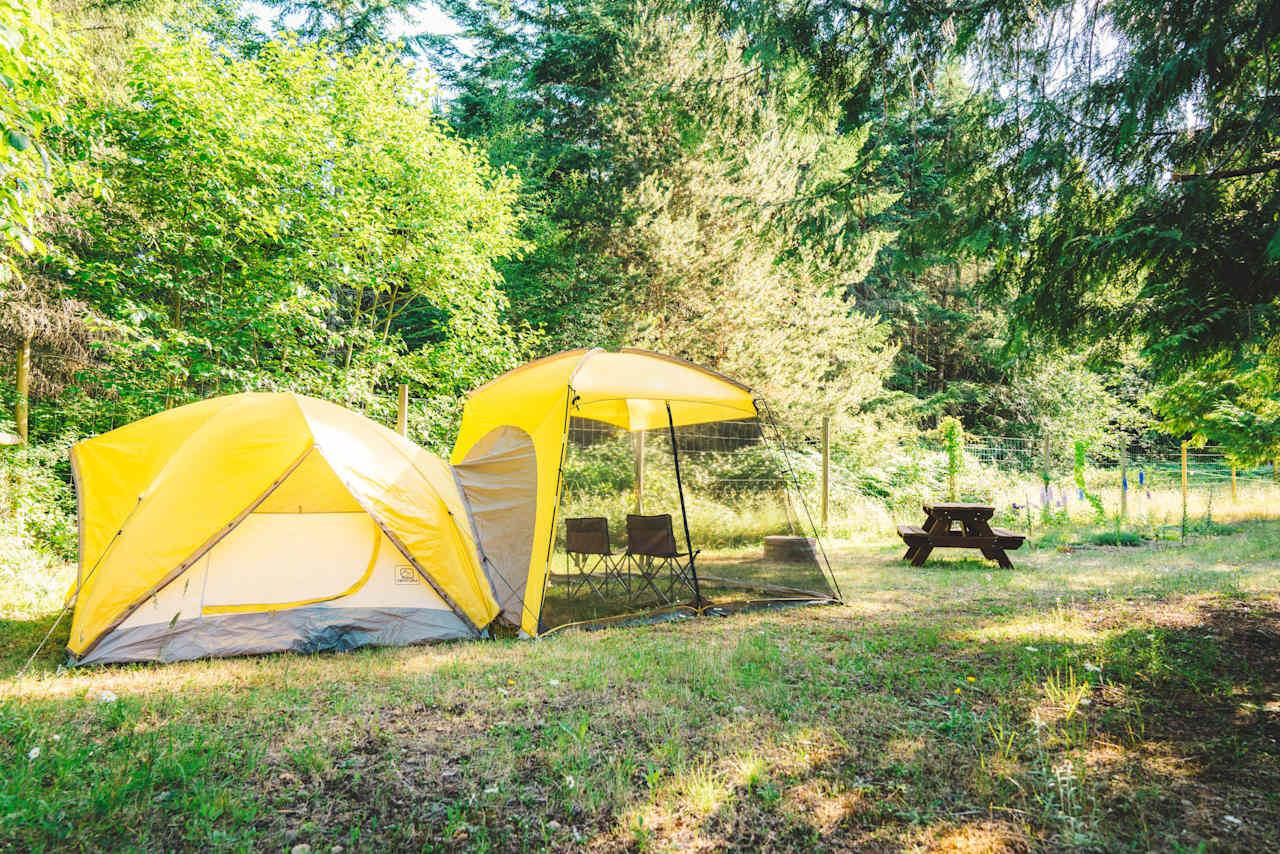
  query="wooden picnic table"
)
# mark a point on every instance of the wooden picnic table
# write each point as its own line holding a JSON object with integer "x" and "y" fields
{"x": 975, "y": 532}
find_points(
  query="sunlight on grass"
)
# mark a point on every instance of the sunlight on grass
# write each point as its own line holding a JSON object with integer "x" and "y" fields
{"x": 934, "y": 696}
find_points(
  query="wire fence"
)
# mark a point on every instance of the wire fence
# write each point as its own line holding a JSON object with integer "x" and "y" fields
{"x": 1031, "y": 481}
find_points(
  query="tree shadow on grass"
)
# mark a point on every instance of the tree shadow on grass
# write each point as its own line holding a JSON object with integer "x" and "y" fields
{"x": 1179, "y": 733}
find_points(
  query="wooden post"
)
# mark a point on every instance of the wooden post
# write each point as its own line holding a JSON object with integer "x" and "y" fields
{"x": 1124, "y": 479}
{"x": 1233, "y": 484}
{"x": 826, "y": 469}
{"x": 402, "y": 413}
{"x": 637, "y": 448}
{"x": 20, "y": 409}
{"x": 1184, "y": 489}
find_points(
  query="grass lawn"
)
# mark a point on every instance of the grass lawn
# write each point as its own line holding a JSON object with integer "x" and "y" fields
{"x": 1100, "y": 699}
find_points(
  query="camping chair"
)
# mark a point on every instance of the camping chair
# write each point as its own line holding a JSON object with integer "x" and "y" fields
{"x": 651, "y": 548}
{"x": 589, "y": 553}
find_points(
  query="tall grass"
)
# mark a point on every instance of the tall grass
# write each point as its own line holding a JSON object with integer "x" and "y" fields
{"x": 735, "y": 498}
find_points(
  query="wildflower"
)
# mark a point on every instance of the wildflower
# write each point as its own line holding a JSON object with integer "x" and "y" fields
{"x": 971, "y": 679}
{"x": 569, "y": 782}
{"x": 1030, "y": 649}
{"x": 957, "y": 690}
{"x": 511, "y": 681}
{"x": 492, "y": 790}
{"x": 1091, "y": 667}
{"x": 1085, "y": 701}
{"x": 56, "y": 736}
{"x": 33, "y": 753}
{"x": 106, "y": 696}
{"x": 554, "y": 683}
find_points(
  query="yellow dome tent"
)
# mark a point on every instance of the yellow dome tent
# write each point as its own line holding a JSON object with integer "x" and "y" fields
{"x": 263, "y": 522}
{"x": 510, "y": 451}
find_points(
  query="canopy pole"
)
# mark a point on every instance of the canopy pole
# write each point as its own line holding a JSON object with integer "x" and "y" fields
{"x": 684, "y": 516}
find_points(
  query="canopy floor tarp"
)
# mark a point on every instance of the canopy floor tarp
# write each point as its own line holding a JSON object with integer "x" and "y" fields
{"x": 510, "y": 455}
{"x": 263, "y": 522}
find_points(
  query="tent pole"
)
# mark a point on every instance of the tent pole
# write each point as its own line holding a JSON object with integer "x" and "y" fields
{"x": 684, "y": 516}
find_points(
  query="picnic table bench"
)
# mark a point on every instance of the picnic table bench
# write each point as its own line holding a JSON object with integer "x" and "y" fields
{"x": 975, "y": 532}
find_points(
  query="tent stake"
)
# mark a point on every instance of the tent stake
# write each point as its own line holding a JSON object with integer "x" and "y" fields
{"x": 684, "y": 516}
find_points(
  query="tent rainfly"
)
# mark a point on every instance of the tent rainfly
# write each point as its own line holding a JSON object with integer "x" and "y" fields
{"x": 510, "y": 452}
{"x": 264, "y": 522}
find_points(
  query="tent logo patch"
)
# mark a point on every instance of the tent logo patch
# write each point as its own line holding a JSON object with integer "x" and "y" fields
{"x": 406, "y": 575}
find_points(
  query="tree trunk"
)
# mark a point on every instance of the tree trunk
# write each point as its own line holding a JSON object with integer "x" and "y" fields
{"x": 23, "y": 387}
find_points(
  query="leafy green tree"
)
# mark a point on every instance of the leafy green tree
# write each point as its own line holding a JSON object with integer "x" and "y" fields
{"x": 35, "y": 55}
{"x": 351, "y": 26}
{"x": 275, "y": 221}
{"x": 1234, "y": 403}
{"x": 676, "y": 196}
{"x": 714, "y": 233}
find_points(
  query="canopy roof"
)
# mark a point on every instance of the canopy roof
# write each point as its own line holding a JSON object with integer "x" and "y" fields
{"x": 627, "y": 388}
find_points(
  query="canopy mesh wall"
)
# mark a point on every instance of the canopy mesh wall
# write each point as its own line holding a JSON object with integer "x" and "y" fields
{"x": 737, "y": 484}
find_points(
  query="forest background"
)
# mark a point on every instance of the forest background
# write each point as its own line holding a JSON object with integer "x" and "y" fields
{"x": 1055, "y": 219}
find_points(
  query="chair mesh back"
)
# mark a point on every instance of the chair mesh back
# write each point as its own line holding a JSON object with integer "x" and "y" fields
{"x": 588, "y": 535}
{"x": 650, "y": 535}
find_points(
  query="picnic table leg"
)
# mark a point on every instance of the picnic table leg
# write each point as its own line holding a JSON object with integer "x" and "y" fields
{"x": 982, "y": 528}
{"x": 934, "y": 526}
{"x": 913, "y": 551}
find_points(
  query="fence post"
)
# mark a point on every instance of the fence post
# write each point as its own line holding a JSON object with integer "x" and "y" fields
{"x": 1184, "y": 489}
{"x": 1233, "y": 484}
{"x": 402, "y": 411}
{"x": 1046, "y": 461}
{"x": 1124, "y": 479}
{"x": 637, "y": 451}
{"x": 23, "y": 386}
{"x": 826, "y": 469}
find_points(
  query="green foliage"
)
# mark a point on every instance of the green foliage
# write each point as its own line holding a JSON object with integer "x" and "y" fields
{"x": 1081, "y": 461}
{"x": 678, "y": 201}
{"x": 952, "y": 433}
{"x": 1234, "y": 403}
{"x": 35, "y": 55}
{"x": 289, "y": 220}
{"x": 1116, "y": 538}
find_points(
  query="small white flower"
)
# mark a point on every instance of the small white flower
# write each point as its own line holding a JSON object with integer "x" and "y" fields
{"x": 56, "y": 737}
{"x": 504, "y": 692}
{"x": 492, "y": 790}
{"x": 1030, "y": 649}
{"x": 569, "y": 782}
{"x": 1035, "y": 719}
{"x": 1085, "y": 701}
{"x": 554, "y": 683}
{"x": 33, "y": 753}
{"x": 106, "y": 696}
{"x": 1091, "y": 667}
